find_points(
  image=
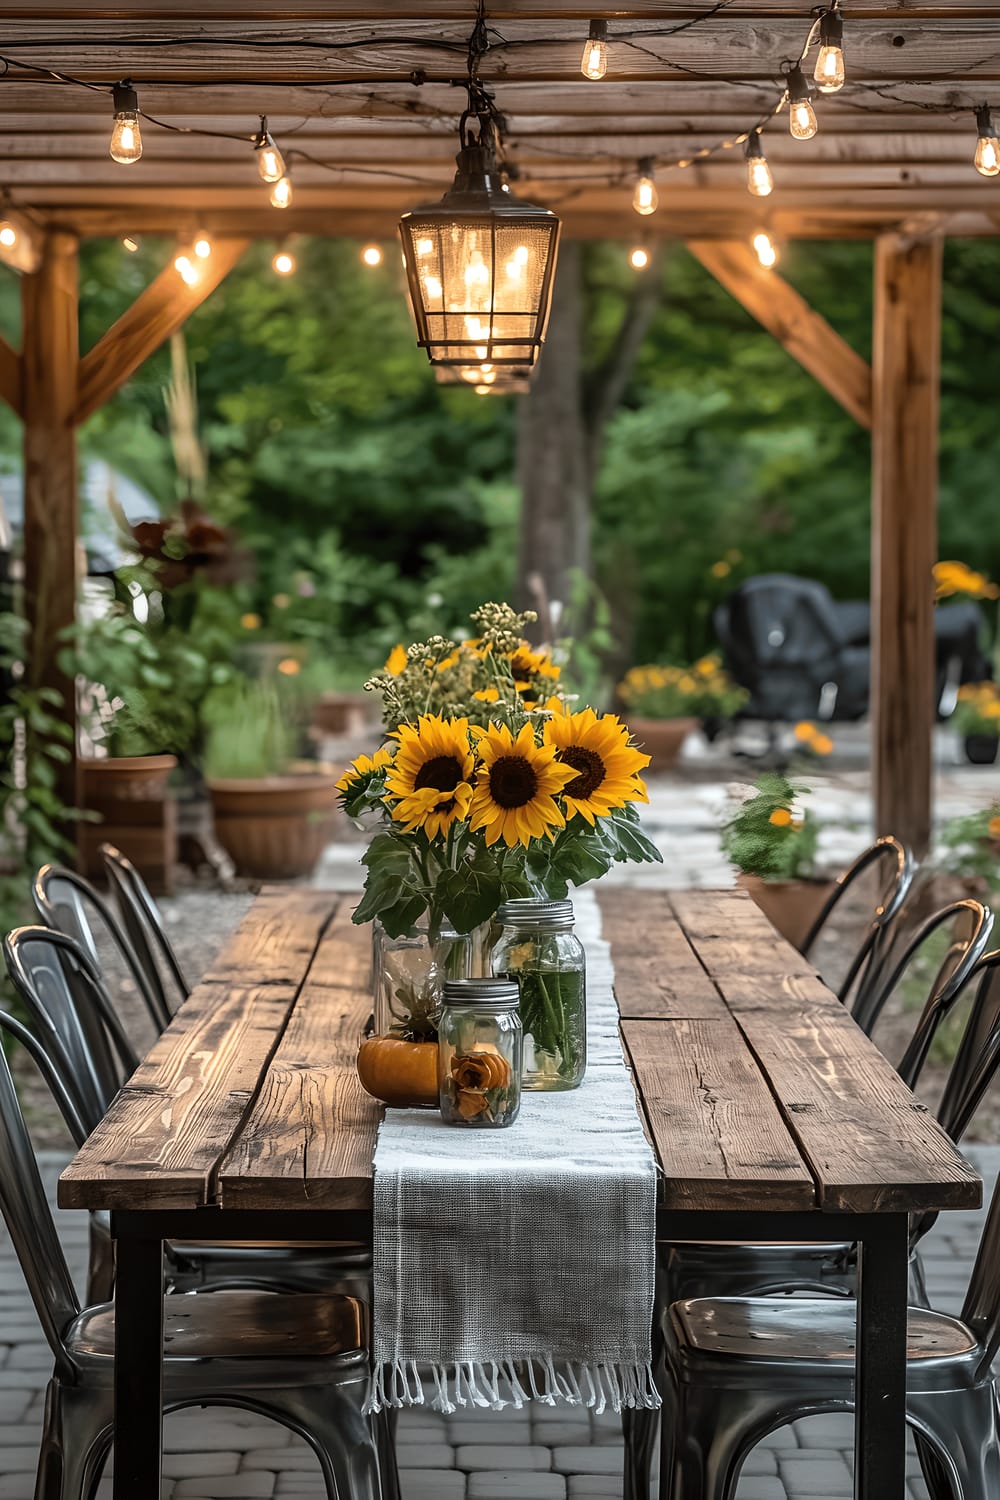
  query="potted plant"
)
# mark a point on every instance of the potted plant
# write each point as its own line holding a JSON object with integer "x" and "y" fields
{"x": 273, "y": 815}
{"x": 772, "y": 843}
{"x": 666, "y": 702}
{"x": 977, "y": 720}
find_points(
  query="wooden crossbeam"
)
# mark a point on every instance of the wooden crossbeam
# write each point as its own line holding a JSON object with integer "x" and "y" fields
{"x": 804, "y": 333}
{"x": 11, "y": 378}
{"x": 159, "y": 311}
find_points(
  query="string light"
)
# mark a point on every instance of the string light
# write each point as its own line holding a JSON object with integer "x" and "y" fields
{"x": 126, "y": 137}
{"x": 638, "y": 257}
{"x": 766, "y": 249}
{"x": 20, "y": 247}
{"x": 202, "y": 245}
{"x": 645, "y": 198}
{"x": 132, "y": 243}
{"x": 270, "y": 162}
{"x": 283, "y": 262}
{"x": 186, "y": 269}
{"x": 281, "y": 192}
{"x": 829, "y": 72}
{"x": 759, "y": 179}
{"x": 594, "y": 63}
{"x": 371, "y": 255}
{"x": 802, "y": 123}
{"x": 987, "y": 157}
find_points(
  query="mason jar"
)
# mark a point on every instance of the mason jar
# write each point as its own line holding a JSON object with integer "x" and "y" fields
{"x": 479, "y": 1053}
{"x": 409, "y": 973}
{"x": 538, "y": 947}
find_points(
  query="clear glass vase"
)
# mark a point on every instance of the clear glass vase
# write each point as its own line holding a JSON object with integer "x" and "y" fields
{"x": 538, "y": 948}
{"x": 408, "y": 974}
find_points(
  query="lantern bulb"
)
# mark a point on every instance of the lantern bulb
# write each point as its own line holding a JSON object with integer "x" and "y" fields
{"x": 281, "y": 192}
{"x": 270, "y": 162}
{"x": 126, "y": 136}
{"x": 829, "y": 71}
{"x": 987, "y": 157}
{"x": 371, "y": 255}
{"x": 186, "y": 270}
{"x": 645, "y": 199}
{"x": 759, "y": 179}
{"x": 765, "y": 248}
{"x": 8, "y": 236}
{"x": 202, "y": 246}
{"x": 594, "y": 63}
{"x": 639, "y": 258}
{"x": 802, "y": 122}
{"x": 283, "y": 263}
{"x": 132, "y": 243}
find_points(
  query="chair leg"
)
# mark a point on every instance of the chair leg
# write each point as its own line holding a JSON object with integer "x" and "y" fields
{"x": 331, "y": 1419}
{"x": 74, "y": 1444}
{"x": 639, "y": 1433}
{"x": 964, "y": 1424}
{"x": 705, "y": 1435}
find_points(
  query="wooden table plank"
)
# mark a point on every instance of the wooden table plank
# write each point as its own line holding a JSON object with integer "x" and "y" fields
{"x": 732, "y": 936}
{"x": 657, "y": 973}
{"x": 162, "y": 1139}
{"x": 309, "y": 1140}
{"x": 717, "y": 1132}
{"x": 276, "y": 940}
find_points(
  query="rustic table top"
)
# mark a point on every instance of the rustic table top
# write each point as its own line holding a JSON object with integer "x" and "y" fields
{"x": 758, "y": 1090}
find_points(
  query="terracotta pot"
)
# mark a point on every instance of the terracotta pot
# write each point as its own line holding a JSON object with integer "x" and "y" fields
{"x": 661, "y": 738}
{"x": 275, "y": 827}
{"x": 791, "y": 906}
{"x": 342, "y": 713}
{"x": 137, "y": 815}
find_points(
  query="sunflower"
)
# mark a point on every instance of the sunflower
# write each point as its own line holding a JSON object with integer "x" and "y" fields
{"x": 396, "y": 661}
{"x": 516, "y": 787}
{"x": 363, "y": 766}
{"x": 606, "y": 766}
{"x": 526, "y": 664}
{"x": 431, "y": 774}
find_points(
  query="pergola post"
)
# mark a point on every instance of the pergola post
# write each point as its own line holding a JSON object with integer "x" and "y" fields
{"x": 51, "y": 511}
{"x": 905, "y": 370}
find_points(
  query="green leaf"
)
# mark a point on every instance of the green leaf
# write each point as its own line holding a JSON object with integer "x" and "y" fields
{"x": 471, "y": 894}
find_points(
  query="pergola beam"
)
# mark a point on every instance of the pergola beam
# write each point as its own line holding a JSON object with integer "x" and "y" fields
{"x": 159, "y": 311}
{"x": 800, "y": 330}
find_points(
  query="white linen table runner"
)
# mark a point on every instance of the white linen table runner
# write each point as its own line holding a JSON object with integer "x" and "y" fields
{"x": 518, "y": 1264}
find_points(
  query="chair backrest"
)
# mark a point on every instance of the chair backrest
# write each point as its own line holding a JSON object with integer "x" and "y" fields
{"x": 52, "y": 1074}
{"x": 68, "y": 903}
{"x": 72, "y": 1016}
{"x": 144, "y": 925}
{"x": 893, "y": 866}
{"x": 29, "y": 1223}
{"x": 970, "y": 924}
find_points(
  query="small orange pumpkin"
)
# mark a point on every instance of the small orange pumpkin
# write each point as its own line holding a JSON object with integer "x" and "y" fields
{"x": 398, "y": 1072}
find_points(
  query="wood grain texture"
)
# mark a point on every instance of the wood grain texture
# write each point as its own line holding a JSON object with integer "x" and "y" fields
{"x": 658, "y": 976}
{"x": 719, "y": 1136}
{"x": 162, "y": 1139}
{"x": 11, "y": 378}
{"x": 309, "y": 1141}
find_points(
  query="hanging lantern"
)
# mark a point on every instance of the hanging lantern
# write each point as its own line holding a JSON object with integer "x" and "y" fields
{"x": 479, "y": 265}
{"x": 487, "y": 379}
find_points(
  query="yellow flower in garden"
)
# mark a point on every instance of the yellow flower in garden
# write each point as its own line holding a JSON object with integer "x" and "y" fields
{"x": 281, "y": 601}
{"x": 516, "y": 786}
{"x": 781, "y": 817}
{"x": 607, "y": 767}
{"x": 250, "y": 622}
{"x": 993, "y": 828}
{"x": 487, "y": 695}
{"x": 525, "y": 664}
{"x": 396, "y": 660}
{"x": 289, "y": 667}
{"x": 363, "y": 765}
{"x": 431, "y": 774}
{"x": 822, "y": 744}
{"x": 721, "y": 569}
{"x": 447, "y": 661}
{"x": 707, "y": 666}
{"x": 992, "y": 710}
{"x": 805, "y": 732}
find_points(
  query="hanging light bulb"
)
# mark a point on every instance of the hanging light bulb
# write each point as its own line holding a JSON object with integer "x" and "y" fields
{"x": 829, "y": 70}
{"x": 987, "y": 157}
{"x": 20, "y": 245}
{"x": 202, "y": 245}
{"x": 186, "y": 269}
{"x": 132, "y": 243}
{"x": 802, "y": 122}
{"x": 638, "y": 258}
{"x": 372, "y": 255}
{"x": 281, "y": 192}
{"x": 759, "y": 179}
{"x": 126, "y": 137}
{"x": 479, "y": 264}
{"x": 767, "y": 251}
{"x": 594, "y": 63}
{"x": 645, "y": 198}
{"x": 283, "y": 262}
{"x": 270, "y": 162}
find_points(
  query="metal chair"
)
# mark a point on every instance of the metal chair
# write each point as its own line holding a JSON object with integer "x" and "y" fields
{"x": 894, "y": 865}
{"x": 144, "y": 925}
{"x": 69, "y": 1019}
{"x": 219, "y": 1351}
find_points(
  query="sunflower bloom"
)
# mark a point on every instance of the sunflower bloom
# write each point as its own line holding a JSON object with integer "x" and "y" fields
{"x": 432, "y": 774}
{"x": 526, "y": 664}
{"x": 516, "y": 787}
{"x": 606, "y": 767}
{"x": 396, "y": 660}
{"x": 364, "y": 765}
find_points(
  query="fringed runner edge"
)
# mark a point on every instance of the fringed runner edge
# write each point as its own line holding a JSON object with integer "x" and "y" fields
{"x": 479, "y": 1384}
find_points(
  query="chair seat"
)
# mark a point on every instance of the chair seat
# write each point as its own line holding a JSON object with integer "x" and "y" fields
{"x": 236, "y": 1325}
{"x": 812, "y": 1330}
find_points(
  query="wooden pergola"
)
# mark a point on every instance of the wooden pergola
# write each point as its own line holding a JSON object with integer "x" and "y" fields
{"x": 364, "y": 101}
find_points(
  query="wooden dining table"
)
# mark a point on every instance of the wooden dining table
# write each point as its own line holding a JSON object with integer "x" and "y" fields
{"x": 772, "y": 1116}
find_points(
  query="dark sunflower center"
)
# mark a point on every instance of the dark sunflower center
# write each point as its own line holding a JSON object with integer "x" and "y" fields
{"x": 590, "y": 767}
{"x": 443, "y": 773}
{"x": 521, "y": 666}
{"x": 513, "y": 782}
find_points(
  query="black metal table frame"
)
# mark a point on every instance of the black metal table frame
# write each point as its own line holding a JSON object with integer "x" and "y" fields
{"x": 880, "y": 1406}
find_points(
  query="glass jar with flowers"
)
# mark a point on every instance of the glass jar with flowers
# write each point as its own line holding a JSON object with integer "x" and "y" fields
{"x": 488, "y": 787}
{"x": 666, "y": 702}
{"x": 772, "y": 842}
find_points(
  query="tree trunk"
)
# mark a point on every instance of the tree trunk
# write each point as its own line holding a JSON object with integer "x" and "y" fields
{"x": 552, "y": 458}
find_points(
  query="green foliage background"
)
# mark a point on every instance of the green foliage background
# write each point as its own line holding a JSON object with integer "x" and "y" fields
{"x": 335, "y": 452}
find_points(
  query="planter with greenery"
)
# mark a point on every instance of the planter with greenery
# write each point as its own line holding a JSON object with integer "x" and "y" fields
{"x": 273, "y": 815}
{"x": 666, "y": 702}
{"x": 977, "y": 720}
{"x": 773, "y": 846}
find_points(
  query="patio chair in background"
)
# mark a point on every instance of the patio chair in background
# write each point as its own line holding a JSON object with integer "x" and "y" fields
{"x": 219, "y": 1350}
{"x": 893, "y": 864}
{"x": 142, "y": 921}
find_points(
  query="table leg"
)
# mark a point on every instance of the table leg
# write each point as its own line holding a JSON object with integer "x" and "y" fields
{"x": 138, "y": 1367}
{"x": 880, "y": 1413}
